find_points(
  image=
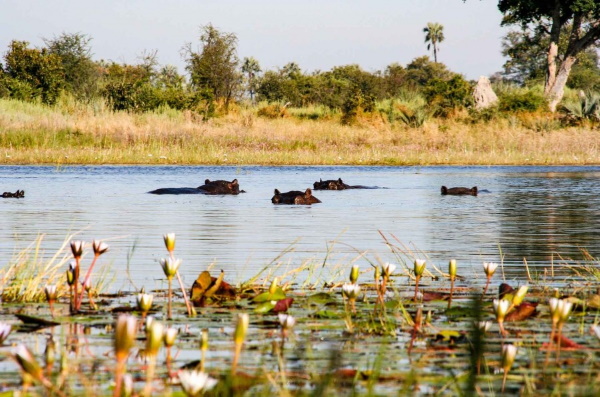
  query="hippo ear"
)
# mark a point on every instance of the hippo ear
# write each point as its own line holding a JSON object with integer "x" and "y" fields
{"x": 474, "y": 189}
{"x": 234, "y": 182}
{"x": 320, "y": 179}
{"x": 277, "y": 192}
{"x": 308, "y": 192}
{"x": 444, "y": 190}
{"x": 206, "y": 181}
{"x": 340, "y": 180}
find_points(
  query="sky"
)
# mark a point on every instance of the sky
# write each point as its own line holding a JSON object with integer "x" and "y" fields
{"x": 316, "y": 34}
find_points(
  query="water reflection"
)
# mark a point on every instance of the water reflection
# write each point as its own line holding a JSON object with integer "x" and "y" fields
{"x": 529, "y": 212}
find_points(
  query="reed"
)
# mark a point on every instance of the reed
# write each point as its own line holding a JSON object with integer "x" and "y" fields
{"x": 91, "y": 134}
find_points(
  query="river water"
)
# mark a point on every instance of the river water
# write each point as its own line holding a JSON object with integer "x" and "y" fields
{"x": 543, "y": 214}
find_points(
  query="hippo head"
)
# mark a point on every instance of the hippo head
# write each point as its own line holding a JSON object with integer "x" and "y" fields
{"x": 307, "y": 198}
{"x": 276, "y": 199}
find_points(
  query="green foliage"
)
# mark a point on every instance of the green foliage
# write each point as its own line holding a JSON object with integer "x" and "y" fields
{"x": 38, "y": 72}
{"x": 528, "y": 100}
{"x": 447, "y": 96}
{"x": 584, "y": 108}
{"x": 421, "y": 71}
{"x": 214, "y": 67}
{"x": 273, "y": 111}
{"x": 80, "y": 72}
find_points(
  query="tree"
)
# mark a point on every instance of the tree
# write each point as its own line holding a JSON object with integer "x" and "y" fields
{"x": 34, "y": 70}
{"x": 555, "y": 17}
{"x": 526, "y": 50}
{"x": 81, "y": 73}
{"x": 434, "y": 34}
{"x": 214, "y": 67}
{"x": 251, "y": 67}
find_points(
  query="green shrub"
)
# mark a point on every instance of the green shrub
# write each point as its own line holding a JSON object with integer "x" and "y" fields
{"x": 447, "y": 96}
{"x": 523, "y": 100}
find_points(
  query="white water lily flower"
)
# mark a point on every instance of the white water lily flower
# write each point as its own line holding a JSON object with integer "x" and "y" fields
{"x": 170, "y": 266}
{"x": 28, "y": 362}
{"x": 286, "y": 321}
{"x": 144, "y": 301}
{"x": 489, "y": 268}
{"x": 501, "y": 308}
{"x": 419, "y": 266}
{"x": 350, "y": 291}
{"x": 388, "y": 269}
{"x": 169, "y": 336}
{"x": 169, "y": 241}
{"x": 509, "y": 352}
{"x": 51, "y": 292}
{"x": 77, "y": 248}
{"x": 195, "y": 382}
{"x": 99, "y": 247}
{"x": 484, "y": 326}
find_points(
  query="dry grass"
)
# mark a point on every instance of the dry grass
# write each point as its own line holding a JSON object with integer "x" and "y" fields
{"x": 73, "y": 134}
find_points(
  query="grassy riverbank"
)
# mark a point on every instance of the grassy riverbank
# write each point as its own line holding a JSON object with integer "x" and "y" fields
{"x": 72, "y": 133}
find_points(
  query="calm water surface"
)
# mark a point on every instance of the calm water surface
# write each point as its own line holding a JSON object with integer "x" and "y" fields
{"x": 536, "y": 213}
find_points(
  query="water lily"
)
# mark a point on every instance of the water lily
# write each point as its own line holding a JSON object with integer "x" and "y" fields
{"x": 286, "y": 321}
{"x": 501, "y": 307}
{"x": 509, "y": 352}
{"x": 170, "y": 335}
{"x": 484, "y": 326}
{"x": 241, "y": 327}
{"x": 51, "y": 295}
{"x": 419, "y": 268}
{"x": 144, "y": 302}
{"x": 170, "y": 266}
{"x": 125, "y": 332}
{"x": 387, "y": 270}
{"x": 489, "y": 268}
{"x": 194, "y": 383}
{"x": 452, "y": 268}
{"x": 77, "y": 248}
{"x": 354, "y": 273}
{"x": 99, "y": 247}
{"x": 350, "y": 291}
{"x": 154, "y": 337}
{"x": 5, "y": 330}
{"x": 169, "y": 239}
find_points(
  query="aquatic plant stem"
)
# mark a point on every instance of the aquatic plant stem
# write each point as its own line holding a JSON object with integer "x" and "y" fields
{"x": 550, "y": 343}
{"x": 417, "y": 278}
{"x": 76, "y": 285}
{"x": 487, "y": 284}
{"x": 236, "y": 357}
{"x": 88, "y": 274}
{"x": 119, "y": 372}
{"x": 169, "y": 312}
{"x": 150, "y": 369}
{"x": 185, "y": 298}
{"x": 451, "y": 292}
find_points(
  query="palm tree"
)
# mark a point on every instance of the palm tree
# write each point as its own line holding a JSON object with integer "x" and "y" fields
{"x": 251, "y": 67}
{"x": 434, "y": 34}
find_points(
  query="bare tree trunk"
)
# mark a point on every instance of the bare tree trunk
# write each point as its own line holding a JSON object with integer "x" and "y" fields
{"x": 553, "y": 48}
{"x": 434, "y": 52}
{"x": 556, "y": 92}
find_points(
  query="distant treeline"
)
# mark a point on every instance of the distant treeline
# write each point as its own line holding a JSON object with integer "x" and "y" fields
{"x": 215, "y": 79}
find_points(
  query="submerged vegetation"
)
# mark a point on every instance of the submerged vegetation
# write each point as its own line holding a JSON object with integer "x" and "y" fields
{"x": 390, "y": 329}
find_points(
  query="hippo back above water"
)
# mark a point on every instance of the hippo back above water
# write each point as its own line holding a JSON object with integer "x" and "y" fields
{"x": 295, "y": 197}
{"x": 459, "y": 191}
{"x": 221, "y": 187}
{"x": 209, "y": 187}
{"x": 332, "y": 184}
{"x": 17, "y": 194}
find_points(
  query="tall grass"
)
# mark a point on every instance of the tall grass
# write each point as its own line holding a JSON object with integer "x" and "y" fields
{"x": 73, "y": 133}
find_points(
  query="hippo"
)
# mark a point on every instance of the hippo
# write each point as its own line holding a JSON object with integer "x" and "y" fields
{"x": 332, "y": 184}
{"x": 459, "y": 191}
{"x": 17, "y": 194}
{"x": 295, "y": 197}
{"x": 209, "y": 187}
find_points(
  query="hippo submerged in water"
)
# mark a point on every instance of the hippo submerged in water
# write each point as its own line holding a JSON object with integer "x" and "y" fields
{"x": 209, "y": 187}
{"x": 17, "y": 194}
{"x": 459, "y": 191}
{"x": 295, "y": 197}
{"x": 332, "y": 184}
